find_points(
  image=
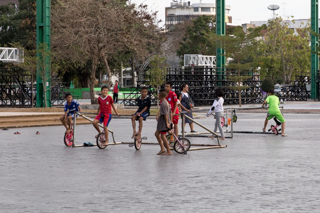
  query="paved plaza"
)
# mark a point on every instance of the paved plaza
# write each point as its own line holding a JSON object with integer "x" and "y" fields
{"x": 255, "y": 173}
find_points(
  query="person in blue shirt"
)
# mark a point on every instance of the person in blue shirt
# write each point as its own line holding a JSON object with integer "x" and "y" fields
{"x": 70, "y": 107}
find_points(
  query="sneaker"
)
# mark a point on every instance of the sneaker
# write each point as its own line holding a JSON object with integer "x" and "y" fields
{"x": 193, "y": 131}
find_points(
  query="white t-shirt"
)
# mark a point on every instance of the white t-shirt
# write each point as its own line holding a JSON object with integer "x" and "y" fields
{"x": 185, "y": 94}
{"x": 218, "y": 104}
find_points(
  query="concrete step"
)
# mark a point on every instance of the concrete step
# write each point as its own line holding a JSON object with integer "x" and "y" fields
{"x": 34, "y": 120}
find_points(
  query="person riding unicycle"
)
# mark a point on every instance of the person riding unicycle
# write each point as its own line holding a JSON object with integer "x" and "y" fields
{"x": 273, "y": 111}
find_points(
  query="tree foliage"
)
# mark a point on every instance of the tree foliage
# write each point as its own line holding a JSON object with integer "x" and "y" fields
{"x": 285, "y": 52}
{"x": 93, "y": 30}
{"x": 240, "y": 47}
{"x": 194, "y": 40}
{"x": 18, "y": 24}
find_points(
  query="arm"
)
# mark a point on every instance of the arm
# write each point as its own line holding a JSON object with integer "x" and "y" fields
{"x": 175, "y": 108}
{"x": 65, "y": 114}
{"x": 98, "y": 110}
{"x": 79, "y": 109}
{"x": 144, "y": 109}
{"x": 185, "y": 109}
{"x": 167, "y": 120}
{"x": 210, "y": 110}
{"x": 115, "y": 110}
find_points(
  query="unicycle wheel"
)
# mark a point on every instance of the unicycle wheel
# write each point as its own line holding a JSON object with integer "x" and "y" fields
{"x": 68, "y": 139}
{"x": 100, "y": 140}
{"x": 274, "y": 130}
{"x": 137, "y": 143}
{"x": 182, "y": 148}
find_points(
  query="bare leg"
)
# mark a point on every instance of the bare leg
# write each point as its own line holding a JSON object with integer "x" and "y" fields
{"x": 106, "y": 132}
{"x": 265, "y": 124}
{"x": 133, "y": 119}
{"x": 140, "y": 127}
{"x": 69, "y": 121}
{"x": 63, "y": 121}
{"x": 176, "y": 132}
{"x": 283, "y": 127}
{"x": 162, "y": 149}
{"x": 191, "y": 126}
{"x": 95, "y": 124}
{"x": 166, "y": 144}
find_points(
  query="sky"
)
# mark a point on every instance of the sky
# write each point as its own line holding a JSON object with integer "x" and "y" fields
{"x": 244, "y": 11}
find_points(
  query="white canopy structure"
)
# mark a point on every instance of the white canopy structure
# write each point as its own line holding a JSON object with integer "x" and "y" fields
{"x": 11, "y": 55}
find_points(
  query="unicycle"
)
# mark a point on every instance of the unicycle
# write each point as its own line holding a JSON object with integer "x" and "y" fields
{"x": 275, "y": 129}
{"x": 182, "y": 145}
{"x": 68, "y": 137}
{"x": 101, "y": 138}
{"x": 137, "y": 143}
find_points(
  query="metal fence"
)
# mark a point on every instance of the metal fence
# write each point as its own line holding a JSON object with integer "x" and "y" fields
{"x": 203, "y": 83}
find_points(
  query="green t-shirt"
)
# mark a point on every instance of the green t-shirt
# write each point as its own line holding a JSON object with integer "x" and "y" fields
{"x": 274, "y": 103}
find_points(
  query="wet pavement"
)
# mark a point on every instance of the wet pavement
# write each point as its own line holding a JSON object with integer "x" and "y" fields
{"x": 255, "y": 173}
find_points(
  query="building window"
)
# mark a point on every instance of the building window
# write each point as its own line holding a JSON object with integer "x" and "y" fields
{"x": 196, "y": 9}
{"x": 227, "y": 11}
{"x": 205, "y": 9}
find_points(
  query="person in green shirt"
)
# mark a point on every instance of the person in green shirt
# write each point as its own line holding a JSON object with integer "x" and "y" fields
{"x": 273, "y": 111}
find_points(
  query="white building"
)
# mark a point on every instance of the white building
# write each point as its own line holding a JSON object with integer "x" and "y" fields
{"x": 181, "y": 10}
{"x": 293, "y": 24}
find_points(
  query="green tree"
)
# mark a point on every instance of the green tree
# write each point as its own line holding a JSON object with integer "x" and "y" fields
{"x": 157, "y": 72}
{"x": 194, "y": 40}
{"x": 241, "y": 48}
{"x": 18, "y": 24}
{"x": 34, "y": 58}
{"x": 285, "y": 52}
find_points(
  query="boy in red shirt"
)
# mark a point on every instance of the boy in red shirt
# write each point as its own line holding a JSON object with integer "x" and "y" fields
{"x": 104, "y": 112}
{"x": 173, "y": 101}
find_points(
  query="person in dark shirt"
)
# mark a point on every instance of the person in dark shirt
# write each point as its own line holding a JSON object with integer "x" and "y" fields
{"x": 144, "y": 104}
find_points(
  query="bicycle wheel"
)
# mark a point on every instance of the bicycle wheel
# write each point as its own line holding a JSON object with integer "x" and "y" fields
{"x": 182, "y": 147}
{"x": 137, "y": 143}
{"x": 223, "y": 121}
{"x": 68, "y": 139}
{"x": 101, "y": 139}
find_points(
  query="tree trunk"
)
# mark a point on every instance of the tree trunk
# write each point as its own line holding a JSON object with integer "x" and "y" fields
{"x": 45, "y": 94}
{"x": 92, "y": 81}
{"x": 108, "y": 72}
{"x": 132, "y": 70}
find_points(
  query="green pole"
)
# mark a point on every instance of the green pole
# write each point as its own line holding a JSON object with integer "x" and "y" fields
{"x": 314, "y": 45}
{"x": 220, "y": 30}
{"x": 43, "y": 37}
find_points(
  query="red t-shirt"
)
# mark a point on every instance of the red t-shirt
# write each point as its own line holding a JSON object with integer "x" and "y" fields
{"x": 172, "y": 99}
{"x": 115, "y": 89}
{"x": 105, "y": 104}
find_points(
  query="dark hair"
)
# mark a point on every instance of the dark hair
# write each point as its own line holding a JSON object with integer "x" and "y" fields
{"x": 271, "y": 91}
{"x": 104, "y": 87}
{"x": 178, "y": 94}
{"x": 163, "y": 93}
{"x": 183, "y": 86}
{"x": 219, "y": 92}
{"x": 144, "y": 88}
{"x": 68, "y": 94}
{"x": 170, "y": 83}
